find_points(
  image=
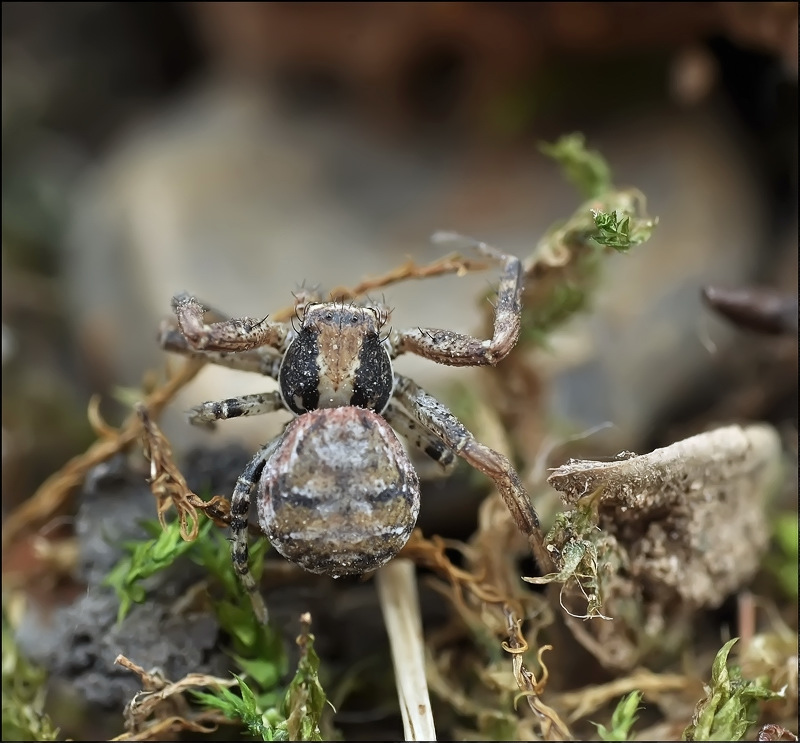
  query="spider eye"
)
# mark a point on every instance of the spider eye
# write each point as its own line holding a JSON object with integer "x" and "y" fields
{"x": 329, "y": 315}
{"x": 353, "y": 319}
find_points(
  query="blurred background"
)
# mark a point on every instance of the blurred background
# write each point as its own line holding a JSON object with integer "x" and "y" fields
{"x": 235, "y": 150}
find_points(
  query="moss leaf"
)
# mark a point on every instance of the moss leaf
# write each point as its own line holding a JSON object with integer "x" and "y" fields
{"x": 622, "y": 719}
{"x": 731, "y": 703}
{"x": 585, "y": 169}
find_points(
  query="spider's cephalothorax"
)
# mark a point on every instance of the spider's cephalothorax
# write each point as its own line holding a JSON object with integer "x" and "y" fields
{"x": 337, "y": 358}
{"x": 336, "y": 492}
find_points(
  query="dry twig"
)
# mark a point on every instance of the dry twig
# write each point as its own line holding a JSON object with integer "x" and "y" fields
{"x": 452, "y": 263}
{"x": 53, "y": 493}
{"x": 583, "y": 702}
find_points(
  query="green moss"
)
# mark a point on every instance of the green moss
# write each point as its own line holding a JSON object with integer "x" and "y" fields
{"x": 730, "y": 706}
{"x": 622, "y": 719}
{"x": 585, "y": 169}
{"x": 268, "y": 709}
{"x": 23, "y": 695}
{"x": 564, "y": 269}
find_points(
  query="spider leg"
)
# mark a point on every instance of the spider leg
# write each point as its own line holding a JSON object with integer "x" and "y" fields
{"x": 306, "y": 295}
{"x": 425, "y": 440}
{"x": 237, "y": 334}
{"x": 456, "y": 349}
{"x": 240, "y": 508}
{"x": 235, "y": 407}
{"x": 265, "y": 361}
{"x": 440, "y": 422}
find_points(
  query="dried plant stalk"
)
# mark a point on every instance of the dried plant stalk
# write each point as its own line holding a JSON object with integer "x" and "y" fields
{"x": 161, "y": 710}
{"x": 397, "y": 590}
{"x": 452, "y": 263}
{"x": 54, "y": 491}
{"x": 551, "y": 725}
{"x": 169, "y": 485}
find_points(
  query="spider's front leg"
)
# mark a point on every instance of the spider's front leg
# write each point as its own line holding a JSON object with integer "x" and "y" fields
{"x": 235, "y": 407}
{"x": 437, "y": 419}
{"x": 457, "y": 349}
{"x": 237, "y": 334}
{"x": 265, "y": 361}
{"x": 240, "y": 509}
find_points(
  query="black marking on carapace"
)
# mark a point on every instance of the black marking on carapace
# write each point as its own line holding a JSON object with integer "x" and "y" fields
{"x": 299, "y": 375}
{"x": 393, "y": 492}
{"x": 374, "y": 380}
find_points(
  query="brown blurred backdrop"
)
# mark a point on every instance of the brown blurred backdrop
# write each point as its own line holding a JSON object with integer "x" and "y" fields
{"x": 237, "y": 149}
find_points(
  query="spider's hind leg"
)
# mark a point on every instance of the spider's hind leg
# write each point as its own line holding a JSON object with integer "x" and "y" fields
{"x": 440, "y": 422}
{"x": 415, "y": 433}
{"x": 240, "y": 508}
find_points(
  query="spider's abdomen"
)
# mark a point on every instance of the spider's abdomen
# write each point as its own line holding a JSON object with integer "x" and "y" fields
{"x": 339, "y": 496}
{"x": 337, "y": 359}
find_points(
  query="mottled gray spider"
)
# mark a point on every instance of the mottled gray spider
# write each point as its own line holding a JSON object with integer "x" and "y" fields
{"x": 336, "y": 492}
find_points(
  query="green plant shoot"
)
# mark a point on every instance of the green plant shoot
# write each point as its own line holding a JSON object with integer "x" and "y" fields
{"x": 730, "y": 705}
{"x": 622, "y": 719}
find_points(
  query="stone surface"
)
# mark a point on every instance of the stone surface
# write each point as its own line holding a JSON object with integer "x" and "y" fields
{"x": 78, "y": 643}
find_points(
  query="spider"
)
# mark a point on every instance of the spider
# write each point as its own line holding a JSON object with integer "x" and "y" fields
{"x": 336, "y": 492}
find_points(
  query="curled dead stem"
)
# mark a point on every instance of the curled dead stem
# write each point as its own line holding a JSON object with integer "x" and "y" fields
{"x": 169, "y": 486}
{"x": 160, "y": 709}
{"x": 54, "y": 492}
{"x": 551, "y": 725}
{"x": 467, "y": 588}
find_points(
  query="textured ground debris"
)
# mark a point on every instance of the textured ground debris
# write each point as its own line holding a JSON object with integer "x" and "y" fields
{"x": 656, "y": 536}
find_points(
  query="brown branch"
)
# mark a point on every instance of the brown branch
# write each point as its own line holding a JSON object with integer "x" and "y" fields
{"x": 452, "y": 263}
{"x": 53, "y": 493}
